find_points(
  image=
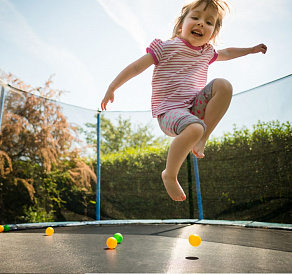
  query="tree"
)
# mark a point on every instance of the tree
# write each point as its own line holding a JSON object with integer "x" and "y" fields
{"x": 36, "y": 141}
{"x": 116, "y": 138}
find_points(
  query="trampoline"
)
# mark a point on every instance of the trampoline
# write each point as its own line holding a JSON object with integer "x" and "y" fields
{"x": 148, "y": 247}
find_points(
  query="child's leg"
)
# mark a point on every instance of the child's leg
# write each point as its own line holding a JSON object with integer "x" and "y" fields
{"x": 178, "y": 151}
{"x": 215, "y": 110}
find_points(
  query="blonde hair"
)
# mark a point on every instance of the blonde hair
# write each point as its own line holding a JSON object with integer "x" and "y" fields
{"x": 219, "y": 5}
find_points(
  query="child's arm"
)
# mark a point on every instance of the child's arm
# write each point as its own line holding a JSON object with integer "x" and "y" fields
{"x": 125, "y": 75}
{"x": 231, "y": 53}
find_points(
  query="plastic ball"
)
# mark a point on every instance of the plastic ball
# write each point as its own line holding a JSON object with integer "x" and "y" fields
{"x": 119, "y": 237}
{"x": 1, "y": 228}
{"x": 111, "y": 242}
{"x": 6, "y": 228}
{"x": 50, "y": 231}
{"x": 195, "y": 240}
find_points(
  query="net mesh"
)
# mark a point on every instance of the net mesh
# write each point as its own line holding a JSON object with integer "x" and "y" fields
{"x": 48, "y": 159}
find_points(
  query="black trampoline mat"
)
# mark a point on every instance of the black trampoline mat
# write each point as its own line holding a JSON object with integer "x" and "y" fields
{"x": 152, "y": 248}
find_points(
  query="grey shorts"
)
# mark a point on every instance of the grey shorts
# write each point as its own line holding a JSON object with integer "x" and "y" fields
{"x": 174, "y": 121}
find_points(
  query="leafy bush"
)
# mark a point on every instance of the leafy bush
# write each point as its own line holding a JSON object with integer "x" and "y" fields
{"x": 245, "y": 175}
{"x": 39, "y": 158}
{"x": 131, "y": 186}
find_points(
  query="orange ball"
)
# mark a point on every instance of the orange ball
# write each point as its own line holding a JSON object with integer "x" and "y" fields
{"x": 50, "y": 231}
{"x": 195, "y": 240}
{"x": 111, "y": 242}
{"x": 1, "y": 228}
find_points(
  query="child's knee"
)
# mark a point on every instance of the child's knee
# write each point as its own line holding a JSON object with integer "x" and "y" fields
{"x": 223, "y": 85}
{"x": 196, "y": 129}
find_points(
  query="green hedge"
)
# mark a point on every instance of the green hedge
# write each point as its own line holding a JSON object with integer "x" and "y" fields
{"x": 248, "y": 175}
{"x": 131, "y": 186}
{"x": 245, "y": 176}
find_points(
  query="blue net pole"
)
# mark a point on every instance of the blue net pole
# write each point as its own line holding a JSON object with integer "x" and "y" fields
{"x": 98, "y": 168}
{"x": 2, "y": 98}
{"x": 197, "y": 179}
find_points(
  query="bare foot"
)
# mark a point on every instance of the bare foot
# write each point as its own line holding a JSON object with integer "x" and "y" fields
{"x": 198, "y": 149}
{"x": 173, "y": 188}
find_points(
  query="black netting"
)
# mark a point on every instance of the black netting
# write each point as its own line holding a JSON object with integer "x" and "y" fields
{"x": 48, "y": 155}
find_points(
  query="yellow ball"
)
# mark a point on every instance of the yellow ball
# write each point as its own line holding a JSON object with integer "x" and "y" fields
{"x": 195, "y": 240}
{"x": 111, "y": 242}
{"x": 1, "y": 228}
{"x": 49, "y": 231}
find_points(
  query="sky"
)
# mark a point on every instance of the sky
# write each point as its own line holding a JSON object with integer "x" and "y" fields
{"x": 86, "y": 43}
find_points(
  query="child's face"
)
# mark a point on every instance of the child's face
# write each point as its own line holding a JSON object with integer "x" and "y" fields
{"x": 198, "y": 26}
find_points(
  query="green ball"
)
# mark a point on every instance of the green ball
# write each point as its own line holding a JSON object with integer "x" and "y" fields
{"x": 6, "y": 228}
{"x": 118, "y": 237}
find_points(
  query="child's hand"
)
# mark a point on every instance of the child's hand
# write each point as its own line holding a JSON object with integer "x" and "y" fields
{"x": 109, "y": 97}
{"x": 260, "y": 48}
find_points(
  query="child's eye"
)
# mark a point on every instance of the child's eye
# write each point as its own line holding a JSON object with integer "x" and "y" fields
{"x": 195, "y": 18}
{"x": 209, "y": 23}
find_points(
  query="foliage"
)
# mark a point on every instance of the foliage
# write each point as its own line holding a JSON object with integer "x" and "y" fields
{"x": 37, "y": 151}
{"x": 116, "y": 137}
{"x": 245, "y": 175}
{"x": 132, "y": 187}
{"x": 248, "y": 174}
{"x": 5, "y": 163}
{"x": 35, "y": 214}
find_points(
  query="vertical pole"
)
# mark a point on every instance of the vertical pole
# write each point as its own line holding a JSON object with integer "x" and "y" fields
{"x": 191, "y": 198}
{"x": 98, "y": 168}
{"x": 2, "y": 99}
{"x": 199, "y": 197}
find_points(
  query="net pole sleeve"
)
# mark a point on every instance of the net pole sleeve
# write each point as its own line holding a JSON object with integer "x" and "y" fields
{"x": 98, "y": 168}
{"x": 198, "y": 188}
{"x": 190, "y": 187}
{"x": 2, "y": 99}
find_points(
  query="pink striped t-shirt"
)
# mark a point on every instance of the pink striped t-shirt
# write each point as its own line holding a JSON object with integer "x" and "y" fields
{"x": 180, "y": 73}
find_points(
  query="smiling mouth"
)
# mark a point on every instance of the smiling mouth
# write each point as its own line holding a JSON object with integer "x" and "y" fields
{"x": 197, "y": 33}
